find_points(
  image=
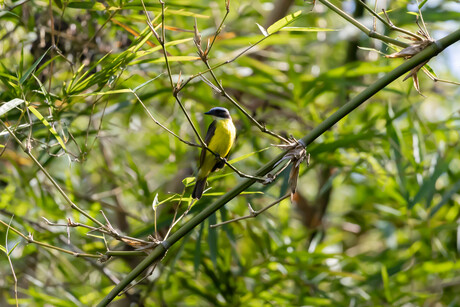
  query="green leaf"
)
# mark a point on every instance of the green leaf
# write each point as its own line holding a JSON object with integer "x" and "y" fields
{"x": 283, "y": 22}
{"x": 188, "y": 181}
{"x": 179, "y": 58}
{"x": 12, "y": 249}
{"x": 58, "y": 3}
{"x": 87, "y": 5}
{"x": 10, "y": 105}
{"x": 422, "y": 4}
{"x": 120, "y": 91}
{"x": 145, "y": 83}
{"x": 306, "y": 29}
{"x": 197, "y": 253}
{"x": 33, "y": 67}
{"x": 3, "y": 249}
{"x": 44, "y": 91}
{"x": 428, "y": 186}
{"x": 47, "y": 124}
{"x": 386, "y": 285}
{"x": 212, "y": 239}
{"x": 446, "y": 197}
{"x": 240, "y": 158}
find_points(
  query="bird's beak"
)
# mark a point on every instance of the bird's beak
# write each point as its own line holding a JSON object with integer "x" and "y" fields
{"x": 208, "y": 113}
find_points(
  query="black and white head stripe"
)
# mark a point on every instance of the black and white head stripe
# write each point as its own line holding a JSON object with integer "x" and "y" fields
{"x": 219, "y": 112}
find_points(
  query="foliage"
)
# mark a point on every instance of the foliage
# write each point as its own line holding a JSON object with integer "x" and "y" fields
{"x": 387, "y": 174}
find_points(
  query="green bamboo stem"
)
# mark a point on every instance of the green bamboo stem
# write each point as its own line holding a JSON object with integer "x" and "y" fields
{"x": 374, "y": 88}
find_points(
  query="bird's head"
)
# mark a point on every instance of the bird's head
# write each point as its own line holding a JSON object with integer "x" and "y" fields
{"x": 219, "y": 113}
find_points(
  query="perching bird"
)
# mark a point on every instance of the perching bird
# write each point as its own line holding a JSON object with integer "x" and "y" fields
{"x": 219, "y": 138}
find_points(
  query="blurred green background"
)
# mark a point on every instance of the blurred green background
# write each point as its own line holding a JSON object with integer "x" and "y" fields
{"x": 375, "y": 220}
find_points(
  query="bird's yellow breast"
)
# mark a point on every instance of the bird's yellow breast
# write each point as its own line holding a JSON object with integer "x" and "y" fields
{"x": 220, "y": 143}
{"x": 223, "y": 137}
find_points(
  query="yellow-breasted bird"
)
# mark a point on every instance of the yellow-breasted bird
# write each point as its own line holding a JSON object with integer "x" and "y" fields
{"x": 219, "y": 138}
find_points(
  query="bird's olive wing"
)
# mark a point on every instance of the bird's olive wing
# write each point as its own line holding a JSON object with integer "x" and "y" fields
{"x": 207, "y": 139}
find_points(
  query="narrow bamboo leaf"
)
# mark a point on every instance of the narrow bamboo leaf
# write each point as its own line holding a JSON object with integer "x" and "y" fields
{"x": 48, "y": 125}
{"x": 262, "y": 29}
{"x": 120, "y": 91}
{"x": 141, "y": 43}
{"x": 179, "y": 58}
{"x": 317, "y": 301}
{"x": 212, "y": 240}
{"x": 13, "y": 78}
{"x": 422, "y": 4}
{"x": 145, "y": 83}
{"x": 12, "y": 249}
{"x": 10, "y": 105}
{"x": 188, "y": 181}
{"x": 58, "y": 3}
{"x": 242, "y": 193}
{"x": 428, "y": 67}
{"x": 396, "y": 149}
{"x": 428, "y": 186}
{"x": 306, "y": 29}
{"x": 74, "y": 77}
{"x": 33, "y": 67}
{"x": 157, "y": 48}
{"x": 3, "y": 249}
{"x": 187, "y": 13}
{"x": 445, "y": 198}
{"x": 283, "y": 22}
{"x": 80, "y": 80}
{"x": 386, "y": 285}
{"x": 44, "y": 91}
{"x": 247, "y": 155}
{"x": 197, "y": 254}
{"x": 87, "y": 5}
{"x": 231, "y": 237}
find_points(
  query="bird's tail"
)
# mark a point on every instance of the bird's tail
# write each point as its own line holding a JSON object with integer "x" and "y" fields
{"x": 199, "y": 187}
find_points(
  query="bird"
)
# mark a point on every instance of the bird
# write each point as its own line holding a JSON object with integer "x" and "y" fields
{"x": 219, "y": 138}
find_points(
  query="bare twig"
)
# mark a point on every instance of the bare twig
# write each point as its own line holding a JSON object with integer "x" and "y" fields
{"x": 388, "y": 22}
{"x": 252, "y": 212}
{"x": 8, "y": 252}
{"x": 162, "y": 126}
{"x": 30, "y": 239}
{"x": 108, "y": 230}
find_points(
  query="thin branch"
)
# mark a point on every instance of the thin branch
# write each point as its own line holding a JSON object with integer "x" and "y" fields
{"x": 105, "y": 230}
{"x": 252, "y": 213}
{"x": 388, "y": 22}
{"x": 436, "y": 79}
{"x": 30, "y": 239}
{"x": 362, "y": 27}
{"x": 11, "y": 263}
{"x": 159, "y": 124}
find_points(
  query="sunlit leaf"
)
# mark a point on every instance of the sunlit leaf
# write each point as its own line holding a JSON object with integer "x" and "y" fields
{"x": 48, "y": 125}
{"x": 283, "y": 22}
